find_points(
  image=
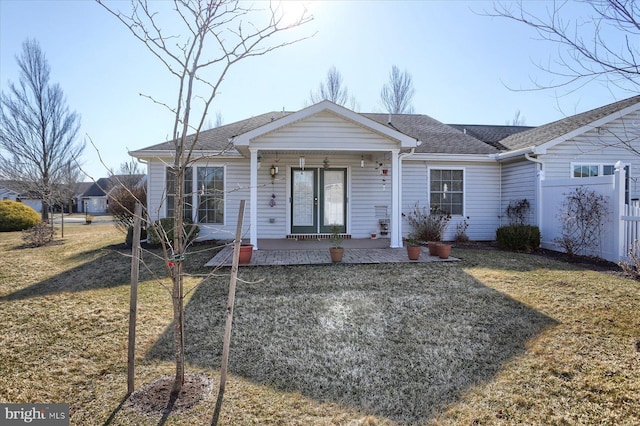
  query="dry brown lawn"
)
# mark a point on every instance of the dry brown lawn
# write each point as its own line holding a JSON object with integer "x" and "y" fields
{"x": 498, "y": 338}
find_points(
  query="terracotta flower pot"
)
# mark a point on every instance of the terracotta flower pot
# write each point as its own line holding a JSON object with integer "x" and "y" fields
{"x": 433, "y": 248}
{"x": 414, "y": 252}
{"x": 336, "y": 254}
{"x": 246, "y": 250}
{"x": 444, "y": 250}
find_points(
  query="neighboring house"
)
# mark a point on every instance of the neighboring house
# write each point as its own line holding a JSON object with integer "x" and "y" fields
{"x": 302, "y": 172}
{"x": 95, "y": 197}
{"x": 11, "y": 190}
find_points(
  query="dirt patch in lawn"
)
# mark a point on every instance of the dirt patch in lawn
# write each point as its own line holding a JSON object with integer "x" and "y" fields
{"x": 155, "y": 399}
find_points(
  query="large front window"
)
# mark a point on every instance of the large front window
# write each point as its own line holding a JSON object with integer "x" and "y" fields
{"x": 210, "y": 195}
{"x": 446, "y": 190}
{"x": 206, "y": 192}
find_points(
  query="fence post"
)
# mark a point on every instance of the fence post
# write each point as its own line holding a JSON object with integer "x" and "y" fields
{"x": 618, "y": 210}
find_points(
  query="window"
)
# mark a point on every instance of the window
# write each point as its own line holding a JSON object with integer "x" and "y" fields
{"x": 210, "y": 195}
{"x": 589, "y": 170}
{"x": 446, "y": 190}
{"x": 188, "y": 193}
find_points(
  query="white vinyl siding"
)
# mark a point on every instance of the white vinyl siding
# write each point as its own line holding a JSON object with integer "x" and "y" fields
{"x": 481, "y": 195}
{"x": 519, "y": 182}
{"x": 597, "y": 147}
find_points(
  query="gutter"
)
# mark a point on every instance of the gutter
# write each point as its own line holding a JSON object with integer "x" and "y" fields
{"x": 510, "y": 154}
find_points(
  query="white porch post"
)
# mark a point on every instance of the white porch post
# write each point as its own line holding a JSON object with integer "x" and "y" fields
{"x": 620, "y": 250}
{"x": 396, "y": 233}
{"x": 253, "y": 202}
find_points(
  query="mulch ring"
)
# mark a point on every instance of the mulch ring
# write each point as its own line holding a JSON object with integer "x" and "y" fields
{"x": 153, "y": 398}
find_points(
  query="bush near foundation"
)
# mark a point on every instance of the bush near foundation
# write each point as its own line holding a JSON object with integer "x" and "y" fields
{"x": 156, "y": 233}
{"x": 15, "y": 216}
{"x": 518, "y": 237}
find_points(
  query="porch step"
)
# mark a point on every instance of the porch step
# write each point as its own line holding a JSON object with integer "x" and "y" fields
{"x": 315, "y": 236}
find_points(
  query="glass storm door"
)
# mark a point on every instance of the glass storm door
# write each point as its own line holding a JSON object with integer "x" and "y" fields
{"x": 332, "y": 199}
{"x": 318, "y": 200}
{"x": 304, "y": 201}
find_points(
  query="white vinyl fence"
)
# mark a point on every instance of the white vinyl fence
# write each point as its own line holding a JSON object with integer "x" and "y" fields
{"x": 621, "y": 228}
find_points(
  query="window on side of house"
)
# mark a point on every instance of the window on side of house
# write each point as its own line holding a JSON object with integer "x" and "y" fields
{"x": 589, "y": 170}
{"x": 446, "y": 190}
{"x": 188, "y": 193}
{"x": 210, "y": 187}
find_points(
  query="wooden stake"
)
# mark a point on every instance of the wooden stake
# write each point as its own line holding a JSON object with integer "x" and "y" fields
{"x": 232, "y": 295}
{"x": 133, "y": 301}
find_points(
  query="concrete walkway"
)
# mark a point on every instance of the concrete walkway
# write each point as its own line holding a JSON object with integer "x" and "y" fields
{"x": 285, "y": 252}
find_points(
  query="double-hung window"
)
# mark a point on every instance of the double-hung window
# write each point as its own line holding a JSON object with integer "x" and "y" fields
{"x": 203, "y": 195}
{"x": 446, "y": 190}
{"x": 187, "y": 212}
{"x": 210, "y": 183}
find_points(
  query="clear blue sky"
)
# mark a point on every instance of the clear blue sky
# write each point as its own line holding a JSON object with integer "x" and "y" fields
{"x": 461, "y": 63}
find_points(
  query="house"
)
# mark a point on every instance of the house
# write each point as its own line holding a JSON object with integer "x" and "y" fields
{"x": 302, "y": 172}
{"x": 94, "y": 197}
{"x": 12, "y": 190}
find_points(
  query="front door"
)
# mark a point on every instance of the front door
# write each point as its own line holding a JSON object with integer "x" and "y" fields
{"x": 318, "y": 200}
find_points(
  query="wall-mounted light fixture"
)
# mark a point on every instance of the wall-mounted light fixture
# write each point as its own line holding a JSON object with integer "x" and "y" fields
{"x": 273, "y": 171}
{"x": 362, "y": 161}
{"x": 302, "y": 162}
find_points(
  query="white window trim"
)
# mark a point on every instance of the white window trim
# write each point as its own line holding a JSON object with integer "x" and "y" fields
{"x": 588, "y": 164}
{"x": 224, "y": 191}
{"x": 194, "y": 192}
{"x": 464, "y": 186}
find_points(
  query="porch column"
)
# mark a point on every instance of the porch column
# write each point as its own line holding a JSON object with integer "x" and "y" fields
{"x": 396, "y": 233}
{"x": 253, "y": 196}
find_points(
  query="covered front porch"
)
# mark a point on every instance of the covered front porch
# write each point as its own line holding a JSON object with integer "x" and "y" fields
{"x": 321, "y": 169}
{"x": 316, "y": 252}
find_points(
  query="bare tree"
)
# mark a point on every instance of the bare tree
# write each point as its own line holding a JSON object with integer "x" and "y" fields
{"x": 397, "y": 94}
{"x": 333, "y": 89}
{"x": 127, "y": 189}
{"x": 214, "y": 36}
{"x": 600, "y": 44}
{"x": 517, "y": 120}
{"x": 37, "y": 130}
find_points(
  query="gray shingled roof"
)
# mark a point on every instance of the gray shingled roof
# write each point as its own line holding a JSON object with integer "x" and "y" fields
{"x": 489, "y": 133}
{"x": 217, "y": 139}
{"x": 542, "y": 134}
{"x": 436, "y": 137}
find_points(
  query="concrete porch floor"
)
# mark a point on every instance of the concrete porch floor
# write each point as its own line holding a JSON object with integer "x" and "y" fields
{"x": 316, "y": 252}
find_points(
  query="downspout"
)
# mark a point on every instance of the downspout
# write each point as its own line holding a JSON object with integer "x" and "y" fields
{"x": 539, "y": 179}
{"x": 401, "y": 157}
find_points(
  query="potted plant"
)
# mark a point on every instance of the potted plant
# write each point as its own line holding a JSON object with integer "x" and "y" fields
{"x": 444, "y": 250}
{"x": 413, "y": 246}
{"x": 246, "y": 250}
{"x": 336, "y": 250}
{"x": 429, "y": 225}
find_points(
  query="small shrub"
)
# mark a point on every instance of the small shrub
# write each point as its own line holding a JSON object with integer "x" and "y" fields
{"x": 336, "y": 237}
{"x": 518, "y": 237}
{"x": 632, "y": 265}
{"x": 164, "y": 228}
{"x": 129, "y": 238}
{"x": 15, "y": 216}
{"x": 583, "y": 215}
{"x": 461, "y": 232}
{"x": 39, "y": 235}
{"x": 428, "y": 225}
